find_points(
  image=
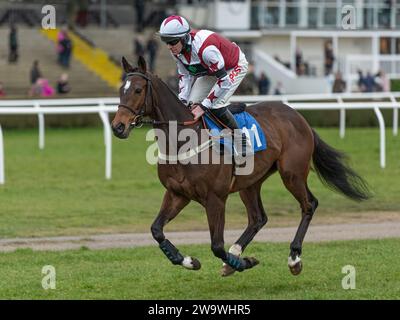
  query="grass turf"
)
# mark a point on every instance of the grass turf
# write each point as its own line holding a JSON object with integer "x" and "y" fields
{"x": 144, "y": 273}
{"x": 61, "y": 190}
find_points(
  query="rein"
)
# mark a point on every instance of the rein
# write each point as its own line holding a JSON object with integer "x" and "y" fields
{"x": 138, "y": 119}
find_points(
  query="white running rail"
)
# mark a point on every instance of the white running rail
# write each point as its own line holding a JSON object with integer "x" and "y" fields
{"x": 104, "y": 106}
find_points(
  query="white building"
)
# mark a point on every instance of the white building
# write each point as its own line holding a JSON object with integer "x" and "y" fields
{"x": 364, "y": 35}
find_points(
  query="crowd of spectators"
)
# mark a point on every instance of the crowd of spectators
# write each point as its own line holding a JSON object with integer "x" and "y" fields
{"x": 40, "y": 86}
{"x": 369, "y": 82}
{"x": 251, "y": 85}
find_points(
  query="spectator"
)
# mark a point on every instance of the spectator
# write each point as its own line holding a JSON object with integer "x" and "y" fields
{"x": 339, "y": 85}
{"x": 35, "y": 90}
{"x": 299, "y": 61}
{"x": 361, "y": 81}
{"x": 263, "y": 84}
{"x": 249, "y": 83}
{"x": 47, "y": 90}
{"x": 60, "y": 37}
{"x": 382, "y": 82}
{"x": 138, "y": 47}
{"x": 279, "y": 88}
{"x": 2, "y": 92}
{"x": 42, "y": 88}
{"x": 66, "y": 50}
{"x": 13, "y": 45}
{"x": 152, "y": 48}
{"x": 172, "y": 81}
{"x": 302, "y": 69}
{"x": 369, "y": 82}
{"x": 63, "y": 84}
{"x": 139, "y": 7}
{"x": 35, "y": 72}
{"x": 329, "y": 57}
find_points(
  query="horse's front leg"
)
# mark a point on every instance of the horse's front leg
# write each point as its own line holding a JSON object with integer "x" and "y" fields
{"x": 257, "y": 218}
{"x": 215, "y": 209}
{"x": 172, "y": 204}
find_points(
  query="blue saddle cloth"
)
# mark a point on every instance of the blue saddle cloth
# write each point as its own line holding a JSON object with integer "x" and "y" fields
{"x": 248, "y": 124}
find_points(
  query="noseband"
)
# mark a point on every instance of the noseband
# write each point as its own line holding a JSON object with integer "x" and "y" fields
{"x": 138, "y": 119}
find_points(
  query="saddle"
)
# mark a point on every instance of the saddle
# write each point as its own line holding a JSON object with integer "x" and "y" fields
{"x": 238, "y": 107}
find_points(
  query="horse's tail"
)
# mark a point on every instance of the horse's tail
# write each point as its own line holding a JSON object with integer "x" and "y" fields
{"x": 332, "y": 169}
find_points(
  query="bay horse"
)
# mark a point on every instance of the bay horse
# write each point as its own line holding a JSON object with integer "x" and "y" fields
{"x": 292, "y": 146}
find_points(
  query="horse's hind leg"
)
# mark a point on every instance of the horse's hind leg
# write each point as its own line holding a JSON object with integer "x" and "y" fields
{"x": 172, "y": 204}
{"x": 215, "y": 208}
{"x": 257, "y": 218}
{"x": 294, "y": 174}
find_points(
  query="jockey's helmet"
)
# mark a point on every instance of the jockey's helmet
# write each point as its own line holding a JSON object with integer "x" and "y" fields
{"x": 174, "y": 28}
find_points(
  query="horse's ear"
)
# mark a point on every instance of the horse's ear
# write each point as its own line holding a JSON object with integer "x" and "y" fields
{"x": 142, "y": 64}
{"x": 125, "y": 64}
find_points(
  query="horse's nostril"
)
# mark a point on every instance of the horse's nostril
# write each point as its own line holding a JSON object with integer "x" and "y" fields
{"x": 120, "y": 128}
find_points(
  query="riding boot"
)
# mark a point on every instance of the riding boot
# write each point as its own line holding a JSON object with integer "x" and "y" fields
{"x": 229, "y": 120}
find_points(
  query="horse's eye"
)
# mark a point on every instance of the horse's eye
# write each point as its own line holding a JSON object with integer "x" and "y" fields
{"x": 138, "y": 90}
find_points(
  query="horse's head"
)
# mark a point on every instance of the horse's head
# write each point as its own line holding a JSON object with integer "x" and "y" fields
{"x": 135, "y": 99}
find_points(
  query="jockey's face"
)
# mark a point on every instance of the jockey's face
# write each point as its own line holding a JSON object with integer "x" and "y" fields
{"x": 176, "y": 48}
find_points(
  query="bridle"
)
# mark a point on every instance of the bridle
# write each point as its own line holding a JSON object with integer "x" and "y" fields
{"x": 144, "y": 109}
{"x": 138, "y": 119}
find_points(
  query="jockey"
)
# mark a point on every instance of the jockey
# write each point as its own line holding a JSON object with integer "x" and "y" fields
{"x": 210, "y": 67}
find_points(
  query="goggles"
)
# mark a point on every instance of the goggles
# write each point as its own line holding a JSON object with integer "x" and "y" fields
{"x": 170, "y": 41}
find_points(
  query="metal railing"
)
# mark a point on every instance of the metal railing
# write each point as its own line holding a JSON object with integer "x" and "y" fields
{"x": 104, "y": 106}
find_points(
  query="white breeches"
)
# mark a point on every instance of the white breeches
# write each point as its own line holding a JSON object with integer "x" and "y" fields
{"x": 203, "y": 85}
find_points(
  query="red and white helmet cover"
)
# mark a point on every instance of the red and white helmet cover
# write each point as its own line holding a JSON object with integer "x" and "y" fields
{"x": 173, "y": 27}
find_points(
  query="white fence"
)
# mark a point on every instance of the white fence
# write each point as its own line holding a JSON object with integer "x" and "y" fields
{"x": 104, "y": 106}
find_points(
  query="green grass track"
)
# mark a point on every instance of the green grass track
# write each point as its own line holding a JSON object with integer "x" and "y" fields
{"x": 61, "y": 190}
{"x": 145, "y": 273}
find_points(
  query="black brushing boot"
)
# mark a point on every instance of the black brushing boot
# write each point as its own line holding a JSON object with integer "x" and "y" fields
{"x": 229, "y": 120}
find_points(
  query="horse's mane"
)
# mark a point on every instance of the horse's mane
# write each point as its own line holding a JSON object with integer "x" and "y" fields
{"x": 154, "y": 76}
{"x": 170, "y": 90}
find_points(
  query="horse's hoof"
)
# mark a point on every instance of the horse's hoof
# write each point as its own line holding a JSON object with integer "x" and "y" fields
{"x": 227, "y": 270}
{"x": 295, "y": 266}
{"x": 196, "y": 264}
{"x": 251, "y": 262}
{"x": 191, "y": 263}
{"x": 296, "y": 269}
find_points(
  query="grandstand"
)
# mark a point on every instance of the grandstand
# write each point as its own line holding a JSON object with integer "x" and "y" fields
{"x": 34, "y": 46}
{"x": 110, "y": 42}
{"x": 271, "y": 32}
